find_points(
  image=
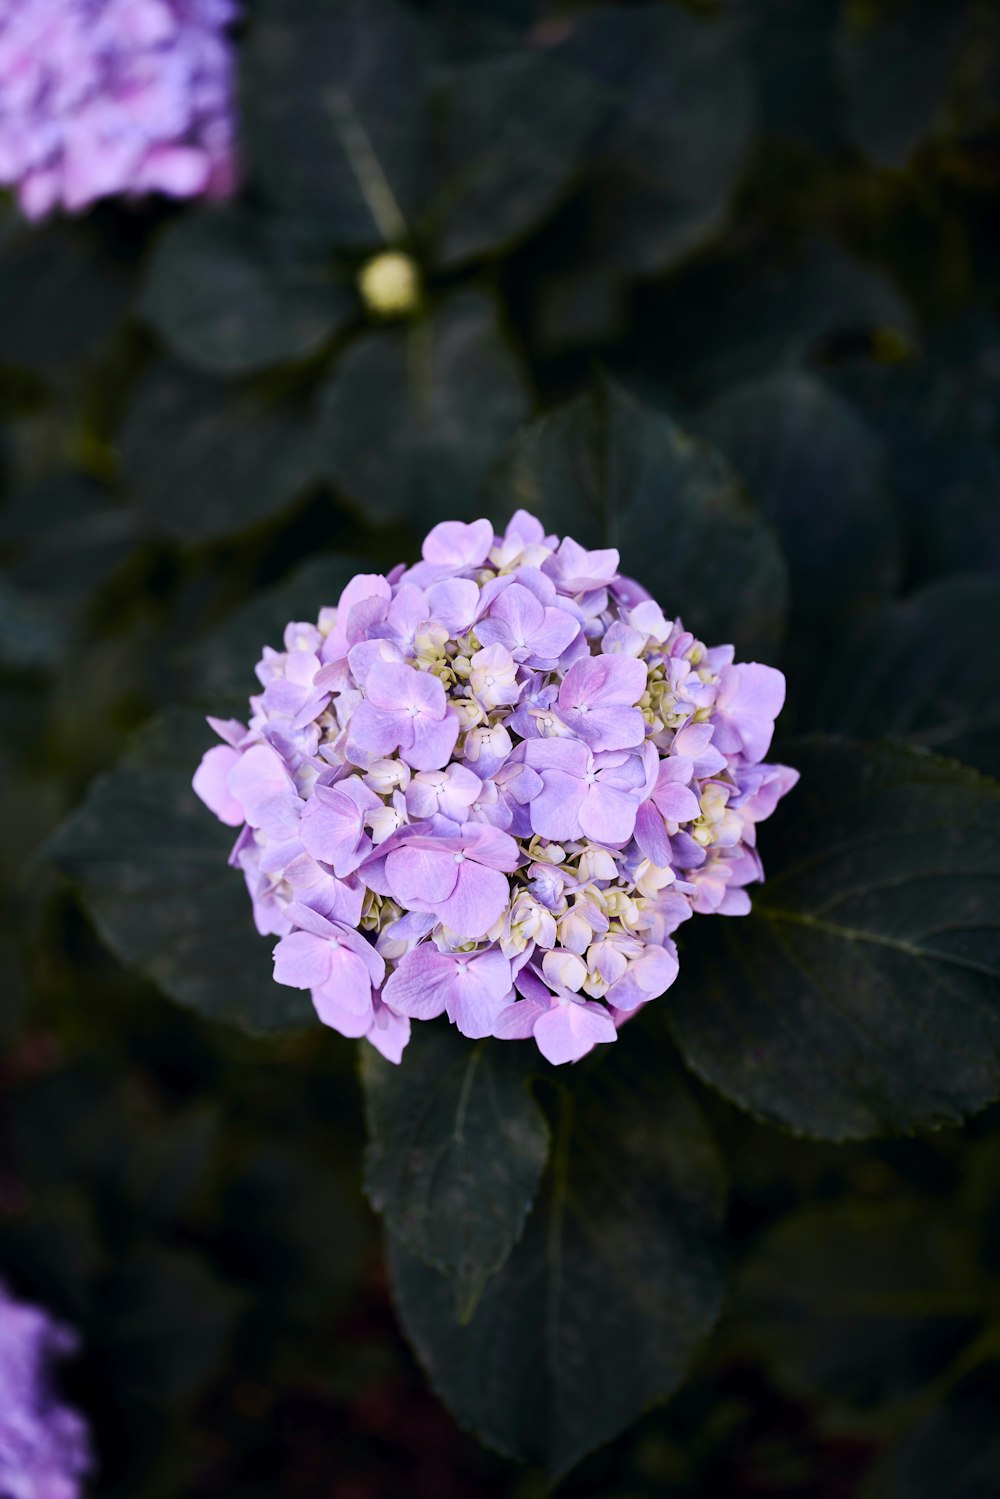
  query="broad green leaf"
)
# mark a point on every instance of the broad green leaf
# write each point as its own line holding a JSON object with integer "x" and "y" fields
{"x": 68, "y": 537}
{"x": 511, "y": 133}
{"x": 599, "y": 1308}
{"x": 150, "y": 862}
{"x": 61, "y": 297}
{"x": 925, "y": 669}
{"x": 861, "y": 997}
{"x": 226, "y": 303}
{"x": 334, "y": 100}
{"x": 895, "y": 62}
{"x": 791, "y": 47}
{"x": 954, "y": 1448}
{"x": 817, "y": 472}
{"x": 781, "y": 312}
{"x": 864, "y": 1302}
{"x": 202, "y": 459}
{"x": 941, "y": 419}
{"x": 456, "y": 1149}
{"x": 610, "y": 471}
{"x": 665, "y": 164}
{"x": 413, "y": 418}
{"x": 32, "y": 634}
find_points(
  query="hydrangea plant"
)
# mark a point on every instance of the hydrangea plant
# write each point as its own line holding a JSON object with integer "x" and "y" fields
{"x": 493, "y": 785}
{"x": 101, "y": 97}
{"x": 44, "y": 1446}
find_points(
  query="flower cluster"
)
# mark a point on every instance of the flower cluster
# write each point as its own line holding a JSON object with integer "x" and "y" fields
{"x": 115, "y": 96}
{"x": 44, "y": 1448}
{"x": 493, "y": 785}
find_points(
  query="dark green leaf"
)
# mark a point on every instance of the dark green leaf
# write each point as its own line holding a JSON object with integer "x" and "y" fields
{"x": 456, "y": 1149}
{"x": 818, "y": 473}
{"x": 512, "y": 131}
{"x": 791, "y": 46}
{"x": 895, "y": 61}
{"x": 333, "y": 104}
{"x": 955, "y": 1448}
{"x": 202, "y": 459}
{"x": 68, "y": 537}
{"x": 598, "y": 1310}
{"x": 60, "y": 298}
{"x": 861, "y": 997}
{"x": 740, "y": 316}
{"x": 925, "y": 669}
{"x": 225, "y": 303}
{"x": 32, "y": 635}
{"x": 414, "y": 417}
{"x": 672, "y": 152}
{"x": 151, "y": 864}
{"x": 863, "y": 1301}
{"x": 610, "y": 471}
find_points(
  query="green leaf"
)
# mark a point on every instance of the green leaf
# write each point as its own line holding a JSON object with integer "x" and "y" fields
{"x": 599, "y": 1308}
{"x": 61, "y": 297}
{"x": 925, "y": 669}
{"x": 226, "y": 303}
{"x": 610, "y": 471}
{"x": 895, "y": 63}
{"x": 511, "y": 134}
{"x": 32, "y": 634}
{"x": 334, "y": 99}
{"x": 817, "y": 472}
{"x": 861, "y": 997}
{"x": 150, "y": 861}
{"x": 667, "y": 161}
{"x": 456, "y": 1150}
{"x": 781, "y": 312}
{"x": 863, "y": 1302}
{"x": 413, "y": 418}
{"x": 202, "y": 459}
{"x": 955, "y": 1448}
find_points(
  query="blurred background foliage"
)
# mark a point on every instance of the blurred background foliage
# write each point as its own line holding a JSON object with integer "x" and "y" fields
{"x": 766, "y": 225}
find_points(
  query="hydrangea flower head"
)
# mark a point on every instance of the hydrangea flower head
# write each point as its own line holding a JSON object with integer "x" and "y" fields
{"x": 100, "y": 97}
{"x": 44, "y": 1447}
{"x": 492, "y": 786}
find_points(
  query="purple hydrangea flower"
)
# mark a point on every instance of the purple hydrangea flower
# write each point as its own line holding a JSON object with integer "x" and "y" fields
{"x": 492, "y": 786}
{"x": 44, "y": 1446}
{"x": 101, "y": 97}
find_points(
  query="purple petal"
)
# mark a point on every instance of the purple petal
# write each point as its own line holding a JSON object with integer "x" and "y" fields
{"x": 211, "y": 783}
{"x": 479, "y": 991}
{"x": 459, "y": 545}
{"x": 649, "y": 976}
{"x": 302, "y": 961}
{"x": 570, "y": 1030}
{"x": 421, "y": 983}
{"x": 453, "y": 603}
{"x": 332, "y": 827}
{"x": 433, "y": 742}
{"x": 390, "y": 1033}
{"x": 261, "y": 783}
{"x": 750, "y": 698}
{"x": 478, "y": 900}
{"x": 651, "y": 836}
{"x": 420, "y": 877}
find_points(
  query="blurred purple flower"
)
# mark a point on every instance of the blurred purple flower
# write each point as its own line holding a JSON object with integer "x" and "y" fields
{"x": 107, "y": 97}
{"x": 44, "y": 1446}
